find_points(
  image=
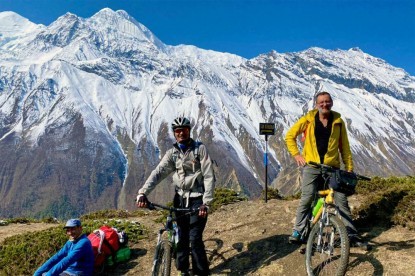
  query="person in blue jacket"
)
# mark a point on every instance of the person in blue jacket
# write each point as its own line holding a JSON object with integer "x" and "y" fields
{"x": 75, "y": 258}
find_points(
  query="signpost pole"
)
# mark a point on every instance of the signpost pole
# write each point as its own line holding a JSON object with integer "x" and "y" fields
{"x": 266, "y": 168}
{"x": 266, "y": 129}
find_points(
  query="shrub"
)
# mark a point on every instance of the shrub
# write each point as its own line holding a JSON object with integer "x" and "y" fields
{"x": 405, "y": 211}
{"x": 49, "y": 220}
{"x": 107, "y": 214}
{"x": 271, "y": 194}
{"x": 294, "y": 196}
{"x": 387, "y": 201}
{"x": 22, "y": 254}
{"x": 225, "y": 196}
{"x": 21, "y": 220}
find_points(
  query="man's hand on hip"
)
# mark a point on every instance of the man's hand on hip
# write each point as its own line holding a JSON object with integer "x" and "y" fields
{"x": 300, "y": 160}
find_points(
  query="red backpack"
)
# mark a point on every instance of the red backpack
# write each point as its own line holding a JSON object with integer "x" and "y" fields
{"x": 105, "y": 243}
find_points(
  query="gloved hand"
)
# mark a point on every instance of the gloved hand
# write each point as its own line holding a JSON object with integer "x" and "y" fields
{"x": 142, "y": 201}
{"x": 203, "y": 211}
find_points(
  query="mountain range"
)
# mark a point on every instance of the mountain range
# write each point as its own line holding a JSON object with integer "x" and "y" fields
{"x": 86, "y": 106}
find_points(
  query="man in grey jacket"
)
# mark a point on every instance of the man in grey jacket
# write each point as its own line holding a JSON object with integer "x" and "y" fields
{"x": 194, "y": 181}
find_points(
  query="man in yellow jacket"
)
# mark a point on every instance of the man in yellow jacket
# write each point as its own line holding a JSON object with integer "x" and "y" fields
{"x": 325, "y": 140}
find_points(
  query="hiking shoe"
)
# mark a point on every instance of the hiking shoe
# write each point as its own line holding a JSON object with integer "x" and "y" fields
{"x": 356, "y": 241}
{"x": 295, "y": 237}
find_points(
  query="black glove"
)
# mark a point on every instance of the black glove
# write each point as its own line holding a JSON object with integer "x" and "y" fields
{"x": 203, "y": 210}
{"x": 142, "y": 200}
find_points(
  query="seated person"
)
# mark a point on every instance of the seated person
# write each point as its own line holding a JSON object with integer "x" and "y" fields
{"x": 76, "y": 256}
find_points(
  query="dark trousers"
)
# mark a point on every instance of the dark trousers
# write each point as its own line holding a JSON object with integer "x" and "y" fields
{"x": 191, "y": 238}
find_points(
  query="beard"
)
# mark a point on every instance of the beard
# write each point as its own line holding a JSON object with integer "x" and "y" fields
{"x": 324, "y": 111}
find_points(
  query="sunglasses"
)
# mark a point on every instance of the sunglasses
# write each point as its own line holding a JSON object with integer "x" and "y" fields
{"x": 178, "y": 130}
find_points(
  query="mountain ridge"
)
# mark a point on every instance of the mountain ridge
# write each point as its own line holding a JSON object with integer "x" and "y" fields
{"x": 85, "y": 109}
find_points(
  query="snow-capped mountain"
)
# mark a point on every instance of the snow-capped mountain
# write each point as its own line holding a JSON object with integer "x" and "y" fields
{"x": 86, "y": 105}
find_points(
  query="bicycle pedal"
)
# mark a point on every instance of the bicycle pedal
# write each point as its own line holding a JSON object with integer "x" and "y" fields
{"x": 302, "y": 250}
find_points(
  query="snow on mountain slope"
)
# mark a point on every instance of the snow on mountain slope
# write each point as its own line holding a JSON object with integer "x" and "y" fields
{"x": 14, "y": 26}
{"x": 93, "y": 99}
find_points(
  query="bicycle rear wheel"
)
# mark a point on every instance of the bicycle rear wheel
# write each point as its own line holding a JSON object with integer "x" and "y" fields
{"x": 330, "y": 256}
{"x": 162, "y": 259}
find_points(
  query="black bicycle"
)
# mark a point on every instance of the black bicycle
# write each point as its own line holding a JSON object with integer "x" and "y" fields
{"x": 328, "y": 245}
{"x": 167, "y": 239}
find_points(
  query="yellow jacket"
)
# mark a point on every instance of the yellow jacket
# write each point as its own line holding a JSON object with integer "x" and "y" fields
{"x": 338, "y": 142}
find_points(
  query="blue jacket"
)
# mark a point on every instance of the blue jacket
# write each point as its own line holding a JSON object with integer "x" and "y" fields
{"x": 75, "y": 257}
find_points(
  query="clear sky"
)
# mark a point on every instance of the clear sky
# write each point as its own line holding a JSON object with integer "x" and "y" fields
{"x": 382, "y": 28}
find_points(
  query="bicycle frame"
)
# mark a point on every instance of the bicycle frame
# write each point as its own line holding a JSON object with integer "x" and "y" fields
{"x": 166, "y": 244}
{"x": 169, "y": 228}
{"x": 323, "y": 214}
{"x": 328, "y": 201}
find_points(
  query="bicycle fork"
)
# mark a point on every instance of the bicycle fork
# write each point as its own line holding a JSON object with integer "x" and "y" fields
{"x": 324, "y": 242}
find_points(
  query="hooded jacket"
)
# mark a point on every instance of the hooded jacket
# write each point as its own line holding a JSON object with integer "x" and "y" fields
{"x": 338, "y": 141}
{"x": 193, "y": 172}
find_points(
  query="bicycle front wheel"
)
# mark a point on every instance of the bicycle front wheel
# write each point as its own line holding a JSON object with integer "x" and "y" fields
{"x": 162, "y": 259}
{"x": 327, "y": 251}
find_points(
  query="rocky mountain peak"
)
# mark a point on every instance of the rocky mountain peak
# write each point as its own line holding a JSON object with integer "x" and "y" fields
{"x": 85, "y": 106}
{"x": 120, "y": 24}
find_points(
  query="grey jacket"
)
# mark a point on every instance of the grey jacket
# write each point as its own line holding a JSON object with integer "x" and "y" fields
{"x": 193, "y": 175}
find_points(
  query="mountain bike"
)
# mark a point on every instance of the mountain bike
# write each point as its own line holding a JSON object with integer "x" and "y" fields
{"x": 167, "y": 239}
{"x": 328, "y": 246}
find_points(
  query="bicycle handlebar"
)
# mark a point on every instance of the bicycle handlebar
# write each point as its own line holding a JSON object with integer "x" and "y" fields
{"x": 332, "y": 169}
{"x": 322, "y": 165}
{"x": 153, "y": 206}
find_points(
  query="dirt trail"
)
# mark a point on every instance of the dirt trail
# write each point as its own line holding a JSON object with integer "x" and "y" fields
{"x": 21, "y": 228}
{"x": 250, "y": 238}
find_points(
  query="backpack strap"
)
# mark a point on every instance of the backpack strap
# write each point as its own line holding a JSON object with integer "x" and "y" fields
{"x": 196, "y": 150}
{"x": 175, "y": 155}
{"x": 101, "y": 236}
{"x": 103, "y": 240}
{"x": 113, "y": 252}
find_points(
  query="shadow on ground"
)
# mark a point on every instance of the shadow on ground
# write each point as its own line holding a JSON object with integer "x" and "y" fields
{"x": 250, "y": 259}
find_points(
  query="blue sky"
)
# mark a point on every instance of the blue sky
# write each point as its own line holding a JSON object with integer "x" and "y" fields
{"x": 382, "y": 28}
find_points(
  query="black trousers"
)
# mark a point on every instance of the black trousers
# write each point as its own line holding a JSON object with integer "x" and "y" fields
{"x": 191, "y": 229}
